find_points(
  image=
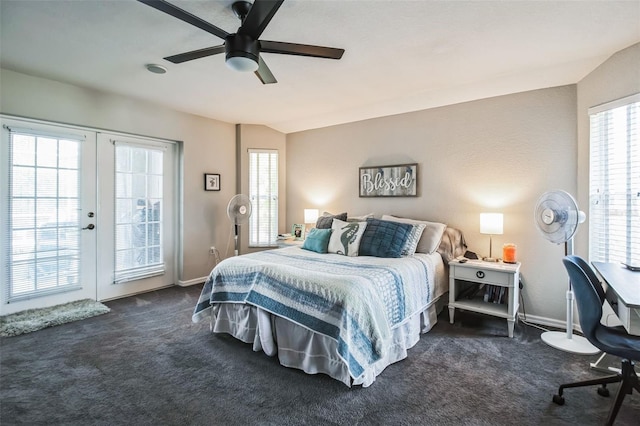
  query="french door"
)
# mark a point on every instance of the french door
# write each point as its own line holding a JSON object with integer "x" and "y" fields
{"x": 137, "y": 199}
{"x": 85, "y": 215}
{"x": 48, "y": 215}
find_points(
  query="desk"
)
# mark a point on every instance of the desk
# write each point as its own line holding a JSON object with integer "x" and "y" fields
{"x": 623, "y": 294}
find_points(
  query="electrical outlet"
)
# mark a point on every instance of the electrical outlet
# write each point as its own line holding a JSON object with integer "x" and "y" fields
{"x": 212, "y": 250}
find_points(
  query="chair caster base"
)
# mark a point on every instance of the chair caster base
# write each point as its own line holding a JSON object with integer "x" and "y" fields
{"x": 603, "y": 391}
{"x": 558, "y": 399}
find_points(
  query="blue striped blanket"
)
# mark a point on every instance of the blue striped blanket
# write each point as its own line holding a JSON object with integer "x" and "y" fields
{"x": 355, "y": 300}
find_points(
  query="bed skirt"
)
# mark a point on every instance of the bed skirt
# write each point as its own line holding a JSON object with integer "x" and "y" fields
{"x": 301, "y": 348}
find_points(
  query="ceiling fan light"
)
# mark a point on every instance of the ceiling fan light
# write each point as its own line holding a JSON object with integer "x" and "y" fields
{"x": 241, "y": 52}
{"x": 242, "y": 64}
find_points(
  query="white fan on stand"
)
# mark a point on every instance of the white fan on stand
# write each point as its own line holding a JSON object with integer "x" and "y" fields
{"x": 557, "y": 216}
{"x": 239, "y": 211}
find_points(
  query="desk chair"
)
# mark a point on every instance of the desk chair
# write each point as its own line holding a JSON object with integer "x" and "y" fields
{"x": 597, "y": 285}
{"x": 591, "y": 274}
{"x": 608, "y": 339}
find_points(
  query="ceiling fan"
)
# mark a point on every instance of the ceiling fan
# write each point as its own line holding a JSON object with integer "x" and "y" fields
{"x": 242, "y": 49}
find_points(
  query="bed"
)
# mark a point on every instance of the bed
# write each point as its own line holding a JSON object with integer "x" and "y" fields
{"x": 345, "y": 316}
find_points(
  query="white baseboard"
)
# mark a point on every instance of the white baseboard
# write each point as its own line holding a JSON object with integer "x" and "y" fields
{"x": 194, "y": 281}
{"x": 544, "y": 321}
{"x": 549, "y": 322}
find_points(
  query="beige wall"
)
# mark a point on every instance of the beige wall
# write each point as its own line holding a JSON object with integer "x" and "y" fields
{"x": 498, "y": 154}
{"x": 616, "y": 78}
{"x": 207, "y": 146}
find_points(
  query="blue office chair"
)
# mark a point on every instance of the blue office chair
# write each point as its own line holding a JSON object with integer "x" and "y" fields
{"x": 611, "y": 340}
{"x": 591, "y": 274}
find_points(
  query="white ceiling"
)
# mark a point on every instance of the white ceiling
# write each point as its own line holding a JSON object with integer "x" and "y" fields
{"x": 400, "y": 55}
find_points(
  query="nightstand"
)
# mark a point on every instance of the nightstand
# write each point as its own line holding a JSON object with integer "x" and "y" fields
{"x": 471, "y": 282}
{"x": 289, "y": 242}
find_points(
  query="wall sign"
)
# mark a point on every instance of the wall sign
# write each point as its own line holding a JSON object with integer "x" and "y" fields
{"x": 399, "y": 180}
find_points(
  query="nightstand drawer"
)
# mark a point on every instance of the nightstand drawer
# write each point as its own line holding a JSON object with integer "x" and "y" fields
{"x": 481, "y": 275}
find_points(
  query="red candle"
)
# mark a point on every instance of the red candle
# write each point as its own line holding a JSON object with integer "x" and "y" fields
{"x": 509, "y": 253}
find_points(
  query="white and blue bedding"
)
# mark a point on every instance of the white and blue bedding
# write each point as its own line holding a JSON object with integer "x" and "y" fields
{"x": 356, "y": 301}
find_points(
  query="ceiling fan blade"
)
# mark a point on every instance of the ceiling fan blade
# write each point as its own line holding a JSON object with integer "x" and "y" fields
{"x": 185, "y": 16}
{"x": 264, "y": 73}
{"x": 195, "y": 54}
{"x": 259, "y": 17}
{"x": 300, "y": 49}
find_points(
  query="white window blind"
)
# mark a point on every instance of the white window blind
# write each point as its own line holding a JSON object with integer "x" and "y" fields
{"x": 614, "y": 187}
{"x": 138, "y": 211}
{"x": 263, "y": 192}
{"x": 43, "y": 213}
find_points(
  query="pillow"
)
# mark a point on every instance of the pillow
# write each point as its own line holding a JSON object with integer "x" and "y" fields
{"x": 431, "y": 235}
{"x": 452, "y": 245}
{"x": 413, "y": 239}
{"x": 317, "y": 240}
{"x": 345, "y": 237}
{"x": 383, "y": 238}
{"x": 325, "y": 221}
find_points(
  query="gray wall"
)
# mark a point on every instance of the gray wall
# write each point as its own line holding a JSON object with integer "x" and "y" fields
{"x": 208, "y": 146}
{"x": 260, "y": 137}
{"x": 498, "y": 154}
{"x": 616, "y": 78}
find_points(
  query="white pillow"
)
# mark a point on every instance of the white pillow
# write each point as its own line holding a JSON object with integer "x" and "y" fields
{"x": 345, "y": 237}
{"x": 362, "y": 218}
{"x": 431, "y": 235}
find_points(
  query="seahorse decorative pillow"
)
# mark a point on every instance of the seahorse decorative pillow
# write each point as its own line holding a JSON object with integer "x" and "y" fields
{"x": 345, "y": 237}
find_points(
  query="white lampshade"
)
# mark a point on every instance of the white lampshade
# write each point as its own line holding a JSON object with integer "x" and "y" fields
{"x": 240, "y": 63}
{"x": 491, "y": 223}
{"x": 310, "y": 215}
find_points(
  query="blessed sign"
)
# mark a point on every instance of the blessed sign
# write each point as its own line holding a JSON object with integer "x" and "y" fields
{"x": 389, "y": 181}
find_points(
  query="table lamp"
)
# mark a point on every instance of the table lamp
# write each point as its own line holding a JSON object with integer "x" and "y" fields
{"x": 491, "y": 223}
{"x": 310, "y": 216}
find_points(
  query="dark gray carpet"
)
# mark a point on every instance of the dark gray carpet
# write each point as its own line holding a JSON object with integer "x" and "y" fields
{"x": 145, "y": 363}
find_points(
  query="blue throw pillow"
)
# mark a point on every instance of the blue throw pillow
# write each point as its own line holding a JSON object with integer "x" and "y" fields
{"x": 317, "y": 240}
{"x": 383, "y": 238}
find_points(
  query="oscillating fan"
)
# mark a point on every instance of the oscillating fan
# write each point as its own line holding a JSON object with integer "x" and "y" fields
{"x": 557, "y": 216}
{"x": 239, "y": 211}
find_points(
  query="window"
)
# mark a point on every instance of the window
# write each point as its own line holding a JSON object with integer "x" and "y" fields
{"x": 263, "y": 192}
{"x": 43, "y": 217}
{"x": 614, "y": 187}
{"x": 138, "y": 211}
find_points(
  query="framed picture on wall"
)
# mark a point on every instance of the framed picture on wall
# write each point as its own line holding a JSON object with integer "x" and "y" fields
{"x": 297, "y": 230}
{"x": 211, "y": 182}
{"x": 398, "y": 180}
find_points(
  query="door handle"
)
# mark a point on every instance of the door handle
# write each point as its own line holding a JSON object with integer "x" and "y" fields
{"x": 89, "y": 226}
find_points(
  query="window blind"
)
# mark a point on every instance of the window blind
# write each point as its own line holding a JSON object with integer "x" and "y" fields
{"x": 42, "y": 238}
{"x": 614, "y": 182}
{"x": 263, "y": 192}
{"x": 138, "y": 211}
